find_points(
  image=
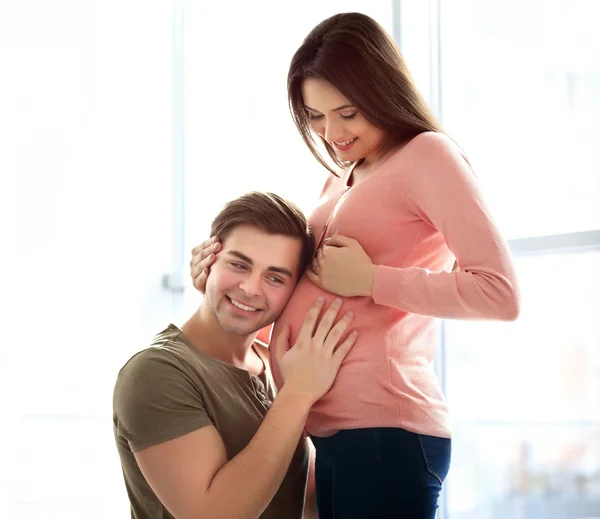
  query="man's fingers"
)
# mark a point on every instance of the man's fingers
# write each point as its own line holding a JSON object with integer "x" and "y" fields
{"x": 282, "y": 342}
{"x": 340, "y": 353}
{"x": 327, "y": 321}
{"x": 336, "y": 333}
{"x": 310, "y": 321}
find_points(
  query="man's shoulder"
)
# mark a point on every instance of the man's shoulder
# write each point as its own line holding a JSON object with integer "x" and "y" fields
{"x": 163, "y": 360}
{"x": 159, "y": 393}
{"x": 162, "y": 347}
{"x": 164, "y": 372}
{"x": 171, "y": 333}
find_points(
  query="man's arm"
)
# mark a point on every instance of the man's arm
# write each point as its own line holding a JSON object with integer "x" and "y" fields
{"x": 192, "y": 478}
{"x": 191, "y": 474}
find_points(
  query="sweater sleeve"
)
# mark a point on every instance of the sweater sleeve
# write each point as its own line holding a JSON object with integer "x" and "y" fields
{"x": 440, "y": 187}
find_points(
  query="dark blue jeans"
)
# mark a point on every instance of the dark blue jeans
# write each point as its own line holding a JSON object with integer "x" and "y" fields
{"x": 380, "y": 473}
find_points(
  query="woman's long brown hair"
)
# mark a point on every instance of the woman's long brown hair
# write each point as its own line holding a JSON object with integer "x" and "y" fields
{"x": 357, "y": 56}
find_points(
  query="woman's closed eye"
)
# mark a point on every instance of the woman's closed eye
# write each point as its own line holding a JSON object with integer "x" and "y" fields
{"x": 315, "y": 117}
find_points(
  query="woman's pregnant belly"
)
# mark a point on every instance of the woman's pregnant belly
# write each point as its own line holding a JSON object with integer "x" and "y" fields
{"x": 369, "y": 320}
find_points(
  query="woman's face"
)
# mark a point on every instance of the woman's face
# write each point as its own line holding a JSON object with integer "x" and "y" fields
{"x": 334, "y": 118}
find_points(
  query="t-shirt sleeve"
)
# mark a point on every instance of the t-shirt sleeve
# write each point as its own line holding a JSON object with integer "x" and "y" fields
{"x": 155, "y": 400}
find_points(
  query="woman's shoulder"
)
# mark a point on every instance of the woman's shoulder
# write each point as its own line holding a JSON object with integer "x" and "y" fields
{"x": 429, "y": 150}
{"x": 431, "y": 141}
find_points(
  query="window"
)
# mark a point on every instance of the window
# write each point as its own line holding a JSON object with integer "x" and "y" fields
{"x": 518, "y": 86}
{"x": 520, "y": 91}
{"x": 525, "y": 398}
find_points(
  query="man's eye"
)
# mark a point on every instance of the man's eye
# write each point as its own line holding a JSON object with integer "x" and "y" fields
{"x": 276, "y": 280}
{"x": 239, "y": 266}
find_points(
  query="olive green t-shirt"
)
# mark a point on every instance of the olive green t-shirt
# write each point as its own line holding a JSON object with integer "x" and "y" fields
{"x": 171, "y": 389}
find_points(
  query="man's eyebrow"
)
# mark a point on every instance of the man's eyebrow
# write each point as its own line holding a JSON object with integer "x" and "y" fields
{"x": 334, "y": 110}
{"x": 243, "y": 257}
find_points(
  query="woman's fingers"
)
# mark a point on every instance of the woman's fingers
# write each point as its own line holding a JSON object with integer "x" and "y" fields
{"x": 203, "y": 256}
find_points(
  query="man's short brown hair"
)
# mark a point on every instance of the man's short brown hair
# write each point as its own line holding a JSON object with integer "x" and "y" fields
{"x": 270, "y": 213}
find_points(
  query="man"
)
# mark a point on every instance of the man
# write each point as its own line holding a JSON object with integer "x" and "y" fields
{"x": 199, "y": 430}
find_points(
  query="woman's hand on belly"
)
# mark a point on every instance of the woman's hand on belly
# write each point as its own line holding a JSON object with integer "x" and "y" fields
{"x": 342, "y": 267}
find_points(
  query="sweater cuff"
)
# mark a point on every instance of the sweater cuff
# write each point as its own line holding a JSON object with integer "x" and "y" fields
{"x": 388, "y": 284}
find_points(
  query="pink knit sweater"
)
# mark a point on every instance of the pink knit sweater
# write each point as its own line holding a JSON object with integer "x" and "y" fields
{"x": 417, "y": 210}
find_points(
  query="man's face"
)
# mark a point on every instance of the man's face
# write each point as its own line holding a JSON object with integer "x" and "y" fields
{"x": 252, "y": 279}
